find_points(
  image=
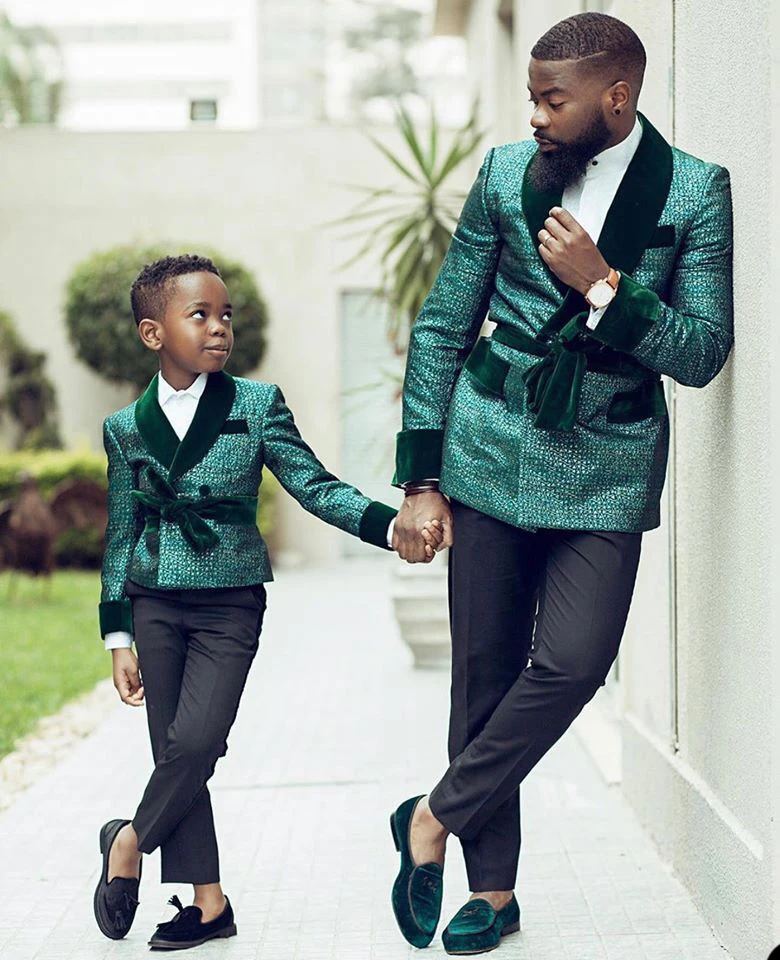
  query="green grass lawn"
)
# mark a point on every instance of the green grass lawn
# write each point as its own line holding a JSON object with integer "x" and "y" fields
{"x": 50, "y": 648}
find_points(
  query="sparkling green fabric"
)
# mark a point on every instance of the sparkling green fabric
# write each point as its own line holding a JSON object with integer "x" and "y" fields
{"x": 219, "y": 462}
{"x": 672, "y": 240}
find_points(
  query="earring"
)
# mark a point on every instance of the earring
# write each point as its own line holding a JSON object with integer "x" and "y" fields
{"x": 616, "y": 112}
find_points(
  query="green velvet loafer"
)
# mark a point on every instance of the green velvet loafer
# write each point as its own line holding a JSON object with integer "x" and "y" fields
{"x": 477, "y": 927}
{"x": 417, "y": 890}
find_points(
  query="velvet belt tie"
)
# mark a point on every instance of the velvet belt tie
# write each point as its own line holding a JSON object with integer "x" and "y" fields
{"x": 554, "y": 382}
{"x": 191, "y": 513}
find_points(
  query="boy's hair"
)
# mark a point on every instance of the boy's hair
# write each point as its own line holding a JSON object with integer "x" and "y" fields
{"x": 608, "y": 43}
{"x": 149, "y": 293}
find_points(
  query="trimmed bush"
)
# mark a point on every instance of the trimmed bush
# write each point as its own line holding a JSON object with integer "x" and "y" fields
{"x": 28, "y": 395}
{"x": 101, "y": 326}
{"x": 84, "y": 548}
{"x": 50, "y": 468}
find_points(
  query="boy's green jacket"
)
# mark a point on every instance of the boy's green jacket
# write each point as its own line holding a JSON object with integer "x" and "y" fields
{"x": 547, "y": 423}
{"x": 183, "y": 514}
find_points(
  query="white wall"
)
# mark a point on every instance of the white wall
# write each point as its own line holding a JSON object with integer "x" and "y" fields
{"x": 773, "y": 528}
{"x": 709, "y": 806}
{"x": 260, "y": 197}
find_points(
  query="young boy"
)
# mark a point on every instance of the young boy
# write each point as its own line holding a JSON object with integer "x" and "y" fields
{"x": 183, "y": 576}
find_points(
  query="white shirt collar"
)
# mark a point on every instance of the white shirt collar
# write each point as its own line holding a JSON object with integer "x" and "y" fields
{"x": 165, "y": 391}
{"x": 616, "y": 159}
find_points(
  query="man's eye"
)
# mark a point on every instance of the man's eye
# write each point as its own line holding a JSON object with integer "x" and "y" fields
{"x": 228, "y": 317}
{"x": 199, "y": 313}
{"x": 556, "y": 105}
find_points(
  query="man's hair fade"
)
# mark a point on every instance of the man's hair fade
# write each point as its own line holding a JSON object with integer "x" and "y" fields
{"x": 611, "y": 46}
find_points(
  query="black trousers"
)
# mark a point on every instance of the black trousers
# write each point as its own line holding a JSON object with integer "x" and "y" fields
{"x": 536, "y": 619}
{"x": 195, "y": 648}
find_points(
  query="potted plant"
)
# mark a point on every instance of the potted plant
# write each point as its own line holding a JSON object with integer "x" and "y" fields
{"x": 410, "y": 229}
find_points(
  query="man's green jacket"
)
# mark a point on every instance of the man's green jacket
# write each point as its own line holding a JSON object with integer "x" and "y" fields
{"x": 547, "y": 423}
{"x": 183, "y": 514}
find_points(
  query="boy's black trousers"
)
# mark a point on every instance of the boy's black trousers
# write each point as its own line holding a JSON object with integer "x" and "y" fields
{"x": 195, "y": 648}
{"x": 537, "y": 618}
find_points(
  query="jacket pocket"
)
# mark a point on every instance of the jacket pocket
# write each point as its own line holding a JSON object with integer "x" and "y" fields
{"x": 642, "y": 403}
{"x": 663, "y": 236}
{"x": 235, "y": 426}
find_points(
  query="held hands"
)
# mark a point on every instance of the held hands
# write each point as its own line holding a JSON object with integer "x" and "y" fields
{"x": 423, "y": 527}
{"x": 569, "y": 252}
{"x": 127, "y": 679}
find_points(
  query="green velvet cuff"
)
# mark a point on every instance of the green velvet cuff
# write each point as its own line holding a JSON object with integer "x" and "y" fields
{"x": 418, "y": 456}
{"x": 115, "y": 615}
{"x": 375, "y": 522}
{"x": 628, "y": 318}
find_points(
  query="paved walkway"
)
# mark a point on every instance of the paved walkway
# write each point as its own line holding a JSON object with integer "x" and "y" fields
{"x": 335, "y": 729}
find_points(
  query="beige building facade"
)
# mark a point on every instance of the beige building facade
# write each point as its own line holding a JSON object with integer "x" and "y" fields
{"x": 697, "y": 704}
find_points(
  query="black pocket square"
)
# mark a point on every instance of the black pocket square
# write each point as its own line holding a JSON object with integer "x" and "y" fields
{"x": 663, "y": 236}
{"x": 235, "y": 426}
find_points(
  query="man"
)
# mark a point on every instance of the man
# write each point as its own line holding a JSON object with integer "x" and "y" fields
{"x": 604, "y": 257}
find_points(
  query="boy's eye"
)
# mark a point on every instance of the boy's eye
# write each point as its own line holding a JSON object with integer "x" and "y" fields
{"x": 201, "y": 314}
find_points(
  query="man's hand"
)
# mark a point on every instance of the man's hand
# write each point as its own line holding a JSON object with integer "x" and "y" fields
{"x": 127, "y": 680}
{"x": 416, "y": 510}
{"x": 569, "y": 252}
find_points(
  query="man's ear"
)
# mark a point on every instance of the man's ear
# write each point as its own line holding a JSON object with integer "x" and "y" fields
{"x": 149, "y": 332}
{"x": 620, "y": 96}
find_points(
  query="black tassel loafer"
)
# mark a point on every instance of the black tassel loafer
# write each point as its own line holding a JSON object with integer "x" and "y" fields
{"x": 187, "y": 929}
{"x": 417, "y": 890}
{"x": 114, "y": 903}
{"x": 478, "y": 927}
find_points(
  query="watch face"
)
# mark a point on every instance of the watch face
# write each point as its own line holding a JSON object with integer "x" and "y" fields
{"x": 600, "y": 294}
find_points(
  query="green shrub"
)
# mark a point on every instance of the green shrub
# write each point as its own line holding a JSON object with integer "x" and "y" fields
{"x": 84, "y": 548}
{"x": 50, "y": 468}
{"x": 28, "y": 395}
{"x": 100, "y": 322}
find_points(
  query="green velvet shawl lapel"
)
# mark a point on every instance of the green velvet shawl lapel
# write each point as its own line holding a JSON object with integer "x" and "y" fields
{"x": 630, "y": 221}
{"x": 157, "y": 433}
{"x": 159, "y": 436}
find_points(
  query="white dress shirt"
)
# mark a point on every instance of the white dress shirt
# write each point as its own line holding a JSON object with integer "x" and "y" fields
{"x": 179, "y": 407}
{"x": 589, "y": 199}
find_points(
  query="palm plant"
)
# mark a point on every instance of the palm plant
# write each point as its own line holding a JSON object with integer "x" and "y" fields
{"x": 411, "y": 228}
{"x": 30, "y": 74}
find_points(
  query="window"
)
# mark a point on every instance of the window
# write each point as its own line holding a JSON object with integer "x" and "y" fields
{"x": 203, "y": 111}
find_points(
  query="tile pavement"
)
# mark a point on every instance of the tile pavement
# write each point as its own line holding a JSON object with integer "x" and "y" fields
{"x": 334, "y": 730}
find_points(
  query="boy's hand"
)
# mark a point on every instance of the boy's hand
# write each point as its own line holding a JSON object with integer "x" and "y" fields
{"x": 433, "y": 535}
{"x": 127, "y": 679}
{"x": 416, "y": 511}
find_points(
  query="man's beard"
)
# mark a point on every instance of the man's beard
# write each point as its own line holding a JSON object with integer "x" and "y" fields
{"x": 560, "y": 168}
